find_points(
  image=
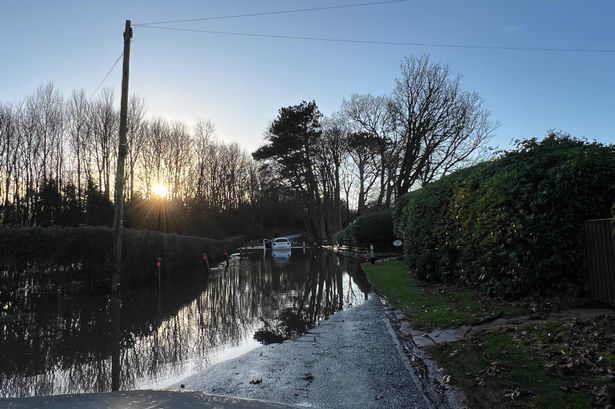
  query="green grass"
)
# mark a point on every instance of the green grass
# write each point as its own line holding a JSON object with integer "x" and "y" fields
{"x": 489, "y": 368}
{"x": 513, "y": 367}
{"x": 429, "y": 306}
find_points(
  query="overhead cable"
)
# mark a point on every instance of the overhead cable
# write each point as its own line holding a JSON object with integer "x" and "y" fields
{"x": 270, "y": 13}
{"x": 393, "y": 43}
{"x": 106, "y": 75}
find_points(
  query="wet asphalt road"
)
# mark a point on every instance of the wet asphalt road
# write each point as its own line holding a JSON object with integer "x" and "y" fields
{"x": 352, "y": 360}
{"x": 145, "y": 399}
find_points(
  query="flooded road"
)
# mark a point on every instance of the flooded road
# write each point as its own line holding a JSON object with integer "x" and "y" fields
{"x": 193, "y": 322}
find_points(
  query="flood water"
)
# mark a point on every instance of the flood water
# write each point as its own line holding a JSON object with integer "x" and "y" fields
{"x": 159, "y": 337}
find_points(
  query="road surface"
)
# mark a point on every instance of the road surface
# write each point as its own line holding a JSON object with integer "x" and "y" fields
{"x": 352, "y": 360}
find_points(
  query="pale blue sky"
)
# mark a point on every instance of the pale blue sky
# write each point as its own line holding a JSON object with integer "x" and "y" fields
{"x": 240, "y": 83}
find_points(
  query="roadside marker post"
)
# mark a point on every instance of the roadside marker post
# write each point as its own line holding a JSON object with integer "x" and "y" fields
{"x": 205, "y": 261}
{"x": 158, "y": 268}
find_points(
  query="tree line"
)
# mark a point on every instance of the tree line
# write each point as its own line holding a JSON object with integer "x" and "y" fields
{"x": 58, "y": 156}
{"x": 375, "y": 148}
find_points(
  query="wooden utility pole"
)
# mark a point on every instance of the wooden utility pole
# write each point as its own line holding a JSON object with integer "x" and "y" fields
{"x": 121, "y": 159}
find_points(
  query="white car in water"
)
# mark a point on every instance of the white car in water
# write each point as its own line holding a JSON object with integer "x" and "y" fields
{"x": 281, "y": 243}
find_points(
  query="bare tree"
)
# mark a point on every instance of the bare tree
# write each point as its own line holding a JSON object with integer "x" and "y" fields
{"x": 135, "y": 133}
{"x": 105, "y": 126}
{"x": 347, "y": 182}
{"x": 204, "y": 134}
{"x": 372, "y": 115}
{"x": 230, "y": 163}
{"x": 363, "y": 147}
{"x": 10, "y": 139}
{"x": 154, "y": 148}
{"x": 79, "y": 134}
{"x": 334, "y": 149}
{"x": 45, "y": 110}
{"x": 461, "y": 147}
{"x": 41, "y": 153}
{"x": 215, "y": 174}
{"x": 439, "y": 124}
{"x": 56, "y": 153}
{"x": 177, "y": 159}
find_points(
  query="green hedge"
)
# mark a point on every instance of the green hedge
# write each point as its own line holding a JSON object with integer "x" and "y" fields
{"x": 374, "y": 227}
{"x": 55, "y": 257}
{"x": 511, "y": 225}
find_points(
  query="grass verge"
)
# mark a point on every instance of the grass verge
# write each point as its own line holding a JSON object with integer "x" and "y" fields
{"x": 428, "y": 306}
{"x": 565, "y": 364}
{"x": 546, "y": 365}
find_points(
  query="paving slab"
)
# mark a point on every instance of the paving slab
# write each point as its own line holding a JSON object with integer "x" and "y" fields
{"x": 448, "y": 335}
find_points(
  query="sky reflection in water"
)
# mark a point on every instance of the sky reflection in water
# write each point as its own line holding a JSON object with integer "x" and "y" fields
{"x": 65, "y": 346}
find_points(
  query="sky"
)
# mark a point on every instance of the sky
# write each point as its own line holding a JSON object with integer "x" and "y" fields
{"x": 240, "y": 82}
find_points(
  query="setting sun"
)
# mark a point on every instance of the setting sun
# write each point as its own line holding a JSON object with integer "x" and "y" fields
{"x": 160, "y": 191}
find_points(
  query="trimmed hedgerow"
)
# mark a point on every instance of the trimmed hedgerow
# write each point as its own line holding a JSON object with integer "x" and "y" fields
{"x": 55, "y": 257}
{"x": 511, "y": 225}
{"x": 375, "y": 227}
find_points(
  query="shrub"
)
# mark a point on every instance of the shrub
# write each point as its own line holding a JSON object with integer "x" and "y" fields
{"x": 511, "y": 225}
{"x": 55, "y": 257}
{"x": 375, "y": 227}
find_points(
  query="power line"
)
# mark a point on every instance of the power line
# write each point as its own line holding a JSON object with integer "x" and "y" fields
{"x": 107, "y": 75}
{"x": 399, "y": 43}
{"x": 270, "y": 13}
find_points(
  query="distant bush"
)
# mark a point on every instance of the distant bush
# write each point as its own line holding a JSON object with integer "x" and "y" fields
{"x": 374, "y": 227}
{"x": 56, "y": 257}
{"x": 511, "y": 225}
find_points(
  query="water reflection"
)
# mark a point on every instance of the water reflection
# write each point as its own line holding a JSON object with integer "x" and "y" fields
{"x": 281, "y": 256}
{"x": 68, "y": 346}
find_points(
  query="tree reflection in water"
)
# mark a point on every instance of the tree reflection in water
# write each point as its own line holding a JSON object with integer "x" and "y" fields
{"x": 66, "y": 346}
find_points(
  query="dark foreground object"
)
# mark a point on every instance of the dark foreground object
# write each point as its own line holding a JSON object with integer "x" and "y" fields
{"x": 145, "y": 399}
